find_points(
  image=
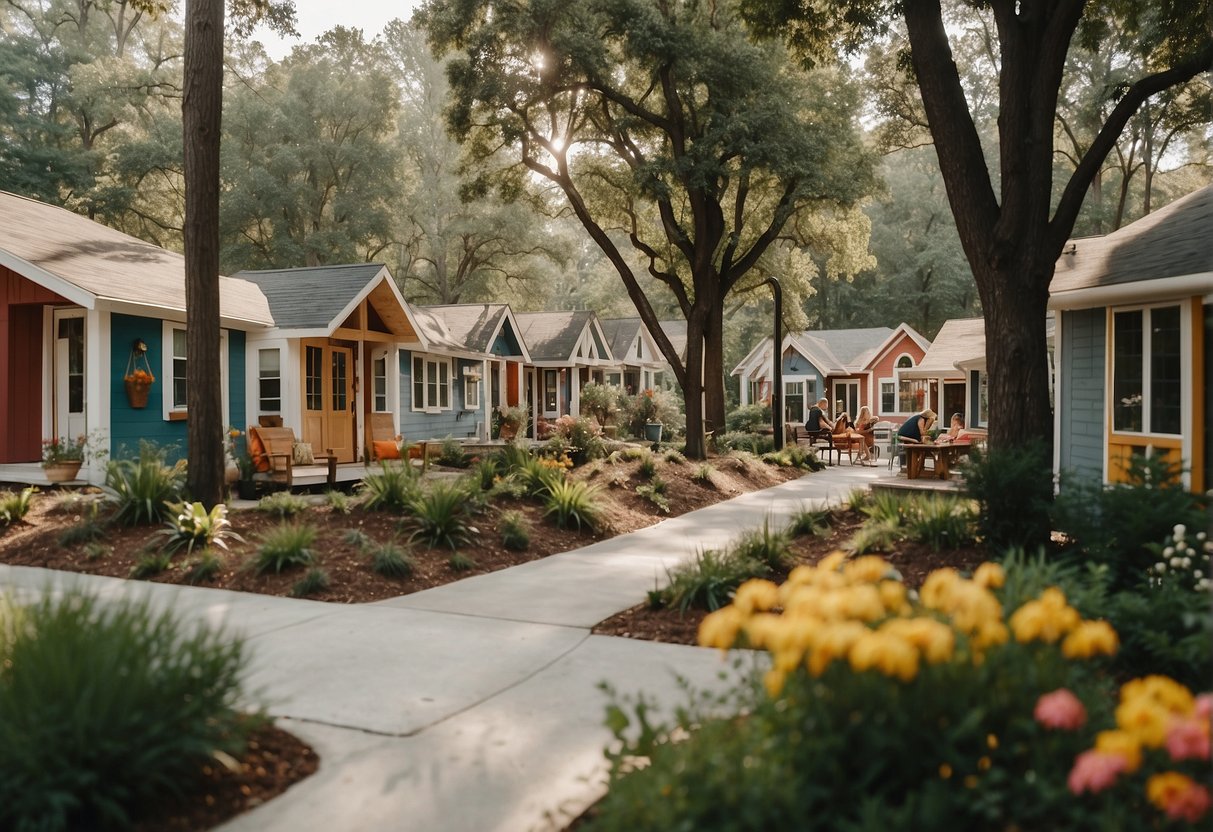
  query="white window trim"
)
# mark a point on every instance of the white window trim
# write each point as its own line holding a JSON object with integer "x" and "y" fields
{"x": 258, "y": 349}
{"x": 1185, "y": 359}
{"x": 384, "y": 356}
{"x": 926, "y": 382}
{"x": 428, "y": 361}
{"x": 471, "y": 393}
{"x": 170, "y": 412}
{"x": 880, "y": 395}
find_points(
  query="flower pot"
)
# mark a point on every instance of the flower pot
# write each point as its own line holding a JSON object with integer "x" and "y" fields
{"x": 652, "y": 432}
{"x": 136, "y": 392}
{"x": 507, "y": 431}
{"x": 63, "y": 471}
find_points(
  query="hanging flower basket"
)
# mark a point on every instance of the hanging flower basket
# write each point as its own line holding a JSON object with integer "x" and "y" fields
{"x": 138, "y": 378}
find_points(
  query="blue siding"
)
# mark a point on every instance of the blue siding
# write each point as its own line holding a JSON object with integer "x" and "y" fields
{"x": 1081, "y": 439}
{"x": 456, "y": 422}
{"x": 129, "y": 425}
{"x": 507, "y": 342}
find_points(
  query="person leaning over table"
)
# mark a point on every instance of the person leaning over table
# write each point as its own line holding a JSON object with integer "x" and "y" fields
{"x": 817, "y": 419}
{"x": 915, "y": 430}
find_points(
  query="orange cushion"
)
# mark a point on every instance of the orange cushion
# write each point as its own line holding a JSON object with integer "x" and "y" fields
{"x": 256, "y": 450}
{"x": 386, "y": 449}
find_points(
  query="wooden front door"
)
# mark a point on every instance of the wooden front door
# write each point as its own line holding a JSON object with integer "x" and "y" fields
{"x": 328, "y": 399}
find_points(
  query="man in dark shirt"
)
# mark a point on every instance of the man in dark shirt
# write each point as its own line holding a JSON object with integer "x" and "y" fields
{"x": 817, "y": 417}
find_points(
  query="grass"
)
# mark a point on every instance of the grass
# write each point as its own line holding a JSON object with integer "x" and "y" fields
{"x": 203, "y": 568}
{"x": 151, "y": 564}
{"x": 391, "y": 561}
{"x": 90, "y": 527}
{"x": 15, "y": 505}
{"x": 339, "y": 501}
{"x": 708, "y": 582}
{"x": 282, "y": 504}
{"x": 440, "y": 516}
{"x": 807, "y": 520}
{"x": 391, "y": 488}
{"x": 316, "y": 580}
{"x": 358, "y": 539}
{"x": 459, "y": 562}
{"x": 142, "y": 490}
{"x": 571, "y": 503}
{"x": 515, "y": 531}
{"x": 770, "y": 547}
{"x": 286, "y": 547}
{"x": 703, "y": 473}
{"x": 654, "y": 492}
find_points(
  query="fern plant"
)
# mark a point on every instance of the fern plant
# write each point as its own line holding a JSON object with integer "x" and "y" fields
{"x": 440, "y": 516}
{"x": 287, "y": 546}
{"x": 391, "y": 488}
{"x": 143, "y": 489}
{"x": 573, "y": 503}
{"x": 15, "y": 505}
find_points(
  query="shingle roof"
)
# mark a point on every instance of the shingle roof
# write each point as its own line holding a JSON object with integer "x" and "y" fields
{"x": 1174, "y": 241}
{"x": 551, "y": 336}
{"x": 676, "y": 332}
{"x": 472, "y": 324}
{"x": 620, "y": 332}
{"x": 311, "y": 297}
{"x": 960, "y": 339}
{"x": 852, "y": 347}
{"x": 107, "y": 264}
{"x": 433, "y": 330}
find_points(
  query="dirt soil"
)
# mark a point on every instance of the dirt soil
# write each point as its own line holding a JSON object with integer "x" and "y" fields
{"x": 914, "y": 560}
{"x": 276, "y": 759}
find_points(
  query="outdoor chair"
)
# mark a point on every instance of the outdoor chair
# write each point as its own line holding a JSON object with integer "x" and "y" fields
{"x": 273, "y": 451}
{"x": 382, "y": 430}
{"x": 820, "y": 442}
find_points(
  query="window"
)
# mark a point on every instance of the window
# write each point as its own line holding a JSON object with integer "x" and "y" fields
{"x": 431, "y": 383}
{"x": 639, "y": 349}
{"x": 549, "y": 391}
{"x": 755, "y": 392}
{"x": 911, "y": 395}
{"x": 983, "y": 392}
{"x": 614, "y": 379}
{"x": 888, "y": 397}
{"x": 1147, "y": 370}
{"x": 471, "y": 388}
{"x": 495, "y": 384}
{"x": 313, "y": 378}
{"x": 379, "y": 383}
{"x": 905, "y": 362}
{"x": 179, "y": 367}
{"x": 269, "y": 380}
{"x": 340, "y": 376}
{"x": 793, "y": 401}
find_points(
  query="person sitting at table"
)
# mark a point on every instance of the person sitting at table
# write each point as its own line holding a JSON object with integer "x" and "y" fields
{"x": 954, "y": 432}
{"x": 817, "y": 420}
{"x": 864, "y": 427}
{"x": 916, "y": 429}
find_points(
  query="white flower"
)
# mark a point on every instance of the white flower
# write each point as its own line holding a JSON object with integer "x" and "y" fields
{"x": 1196, "y": 573}
{"x": 1203, "y": 584}
{"x": 1167, "y": 552}
{"x": 1160, "y": 567}
{"x": 1176, "y": 562}
{"x": 1200, "y": 535}
{"x": 1186, "y": 563}
{"x": 1179, "y": 531}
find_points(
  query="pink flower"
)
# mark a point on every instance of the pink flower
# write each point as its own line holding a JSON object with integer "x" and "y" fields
{"x": 1188, "y": 739}
{"x": 1094, "y": 771}
{"x": 1190, "y": 805}
{"x": 1204, "y": 706}
{"x": 1061, "y": 710}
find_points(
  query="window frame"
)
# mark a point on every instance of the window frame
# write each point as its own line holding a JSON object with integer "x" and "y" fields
{"x": 880, "y": 383}
{"x": 377, "y": 358}
{"x": 173, "y": 412}
{"x": 471, "y": 391}
{"x": 262, "y": 378}
{"x": 1146, "y": 311}
{"x": 434, "y": 381}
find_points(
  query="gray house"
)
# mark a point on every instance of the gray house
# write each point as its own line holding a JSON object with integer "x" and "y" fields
{"x": 1133, "y": 343}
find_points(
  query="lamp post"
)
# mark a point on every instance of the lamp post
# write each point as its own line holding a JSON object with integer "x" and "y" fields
{"x": 777, "y": 367}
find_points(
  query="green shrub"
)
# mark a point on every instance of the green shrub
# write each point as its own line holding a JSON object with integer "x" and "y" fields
{"x": 192, "y": 525}
{"x": 314, "y": 580}
{"x": 754, "y": 443}
{"x": 809, "y": 520}
{"x": 358, "y": 539}
{"x": 143, "y": 489}
{"x": 96, "y": 551}
{"x": 703, "y": 473}
{"x": 941, "y": 521}
{"x": 602, "y": 401}
{"x": 485, "y": 473}
{"x": 512, "y": 457}
{"x": 858, "y": 498}
{"x": 875, "y": 536}
{"x": 151, "y": 564}
{"x": 390, "y": 561}
{"x": 572, "y": 504}
{"x": 339, "y": 501}
{"x": 708, "y": 582}
{"x": 648, "y": 466}
{"x": 282, "y": 504}
{"x": 287, "y": 546}
{"x": 1014, "y": 489}
{"x": 106, "y": 707}
{"x": 451, "y": 453}
{"x": 509, "y": 487}
{"x": 539, "y": 476}
{"x": 1119, "y": 525}
{"x": 887, "y": 507}
{"x": 654, "y": 492}
{"x": 391, "y": 488}
{"x": 674, "y": 457}
{"x": 14, "y": 505}
{"x": 515, "y": 531}
{"x": 206, "y": 567}
{"x": 459, "y": 562}
{"x": 770, "y": 547}
{"x": 89, "y": 528}
{"x": 748, "y": 418}
{"x": 441, "y": 516}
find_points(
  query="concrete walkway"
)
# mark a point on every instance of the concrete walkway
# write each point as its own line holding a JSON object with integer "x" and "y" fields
{"x": 472, "y": 706}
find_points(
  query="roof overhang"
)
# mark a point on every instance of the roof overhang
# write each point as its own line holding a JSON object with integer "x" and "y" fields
{"x": 509, "y": 316}
{"x": 890, "y": 342}
{"x": 48, "y": 280}
{"x": 382, "y": 278}
{"x": 1161, "y": 288}
{"x": 165, "y": 313}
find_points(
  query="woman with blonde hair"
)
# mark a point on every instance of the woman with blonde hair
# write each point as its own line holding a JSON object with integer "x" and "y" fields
{"x": 865, "y": 425}
{"x": 915, "y": 429}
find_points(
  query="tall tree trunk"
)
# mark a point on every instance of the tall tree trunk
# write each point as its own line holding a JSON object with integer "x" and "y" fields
{"x": 713, "y": 367}
{"x": 201, "y": 110}
{"x": 692, "y": 387}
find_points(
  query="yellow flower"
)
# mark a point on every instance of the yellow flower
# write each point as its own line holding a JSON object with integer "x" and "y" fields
{"x": 833, "y": 641}
{"x": 1122, "y": 743}
{"x": 1090, "y": 638}
{"x": 990, "y": 576}
{"x": 756, "y": 594}
{"x": 893, "y": 596}
{"x": 1046, "y": 619}
{"x": 774, "y": 680}
{"x": 861, "y": 602}
{"x": 934, "y": 639}
{"x": 868, "y": 569}
{"x": 945, "y": 771}
{"x": 989, "y": 634}
{"x": 762, "y": 629}
{"x": 832, "y": 561}
{"x": 992, "y": 741}
{"x": 1145, "y": 719}
{"x": 984, "y": 764}
{"x": 720, "y": 628}
{"x": 891, "y": 655}
{"x": 1163, "y": 789}
{"x": 1164, "y": 690}
{"x": 938, "y": 587}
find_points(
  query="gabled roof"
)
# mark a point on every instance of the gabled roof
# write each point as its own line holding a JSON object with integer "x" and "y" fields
{"x": 903, "y": 329}
{"x": 1174, "y": 242}
{"x": 435, "y": 336}
{"x": 477, "y": 325}
{"x": 314, "y": 301}
{"x": 834, "y": 352}
{"x": 959, "y": 340}
{"x": 621, "y": 333}
{"x": 86, "y": 262}
{"x": 676, "y": 333}
{"x": 553, "y": 336}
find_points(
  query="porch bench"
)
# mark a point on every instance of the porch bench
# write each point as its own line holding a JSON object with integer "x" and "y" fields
{"x": 278, "y": 445}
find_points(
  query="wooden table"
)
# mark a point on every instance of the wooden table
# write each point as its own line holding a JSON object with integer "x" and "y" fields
{"x": 944, "y": 456}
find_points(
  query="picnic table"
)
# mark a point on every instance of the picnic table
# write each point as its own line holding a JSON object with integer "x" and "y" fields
{"x": 944, "y": 455}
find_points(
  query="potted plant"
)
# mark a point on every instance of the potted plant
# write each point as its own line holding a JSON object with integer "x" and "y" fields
{"x": 511, "y": 420}
{"x": 246, "y": 488}
{"x": 62, "y": 457}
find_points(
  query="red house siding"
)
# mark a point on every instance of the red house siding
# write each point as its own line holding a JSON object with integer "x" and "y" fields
{"x": 884, "y": 368}
{"x": 21, "y": 370}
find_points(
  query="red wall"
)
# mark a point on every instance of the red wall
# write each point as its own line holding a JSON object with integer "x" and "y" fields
{"x": 883, "y": 369}
{"x": 21, "y": 370}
